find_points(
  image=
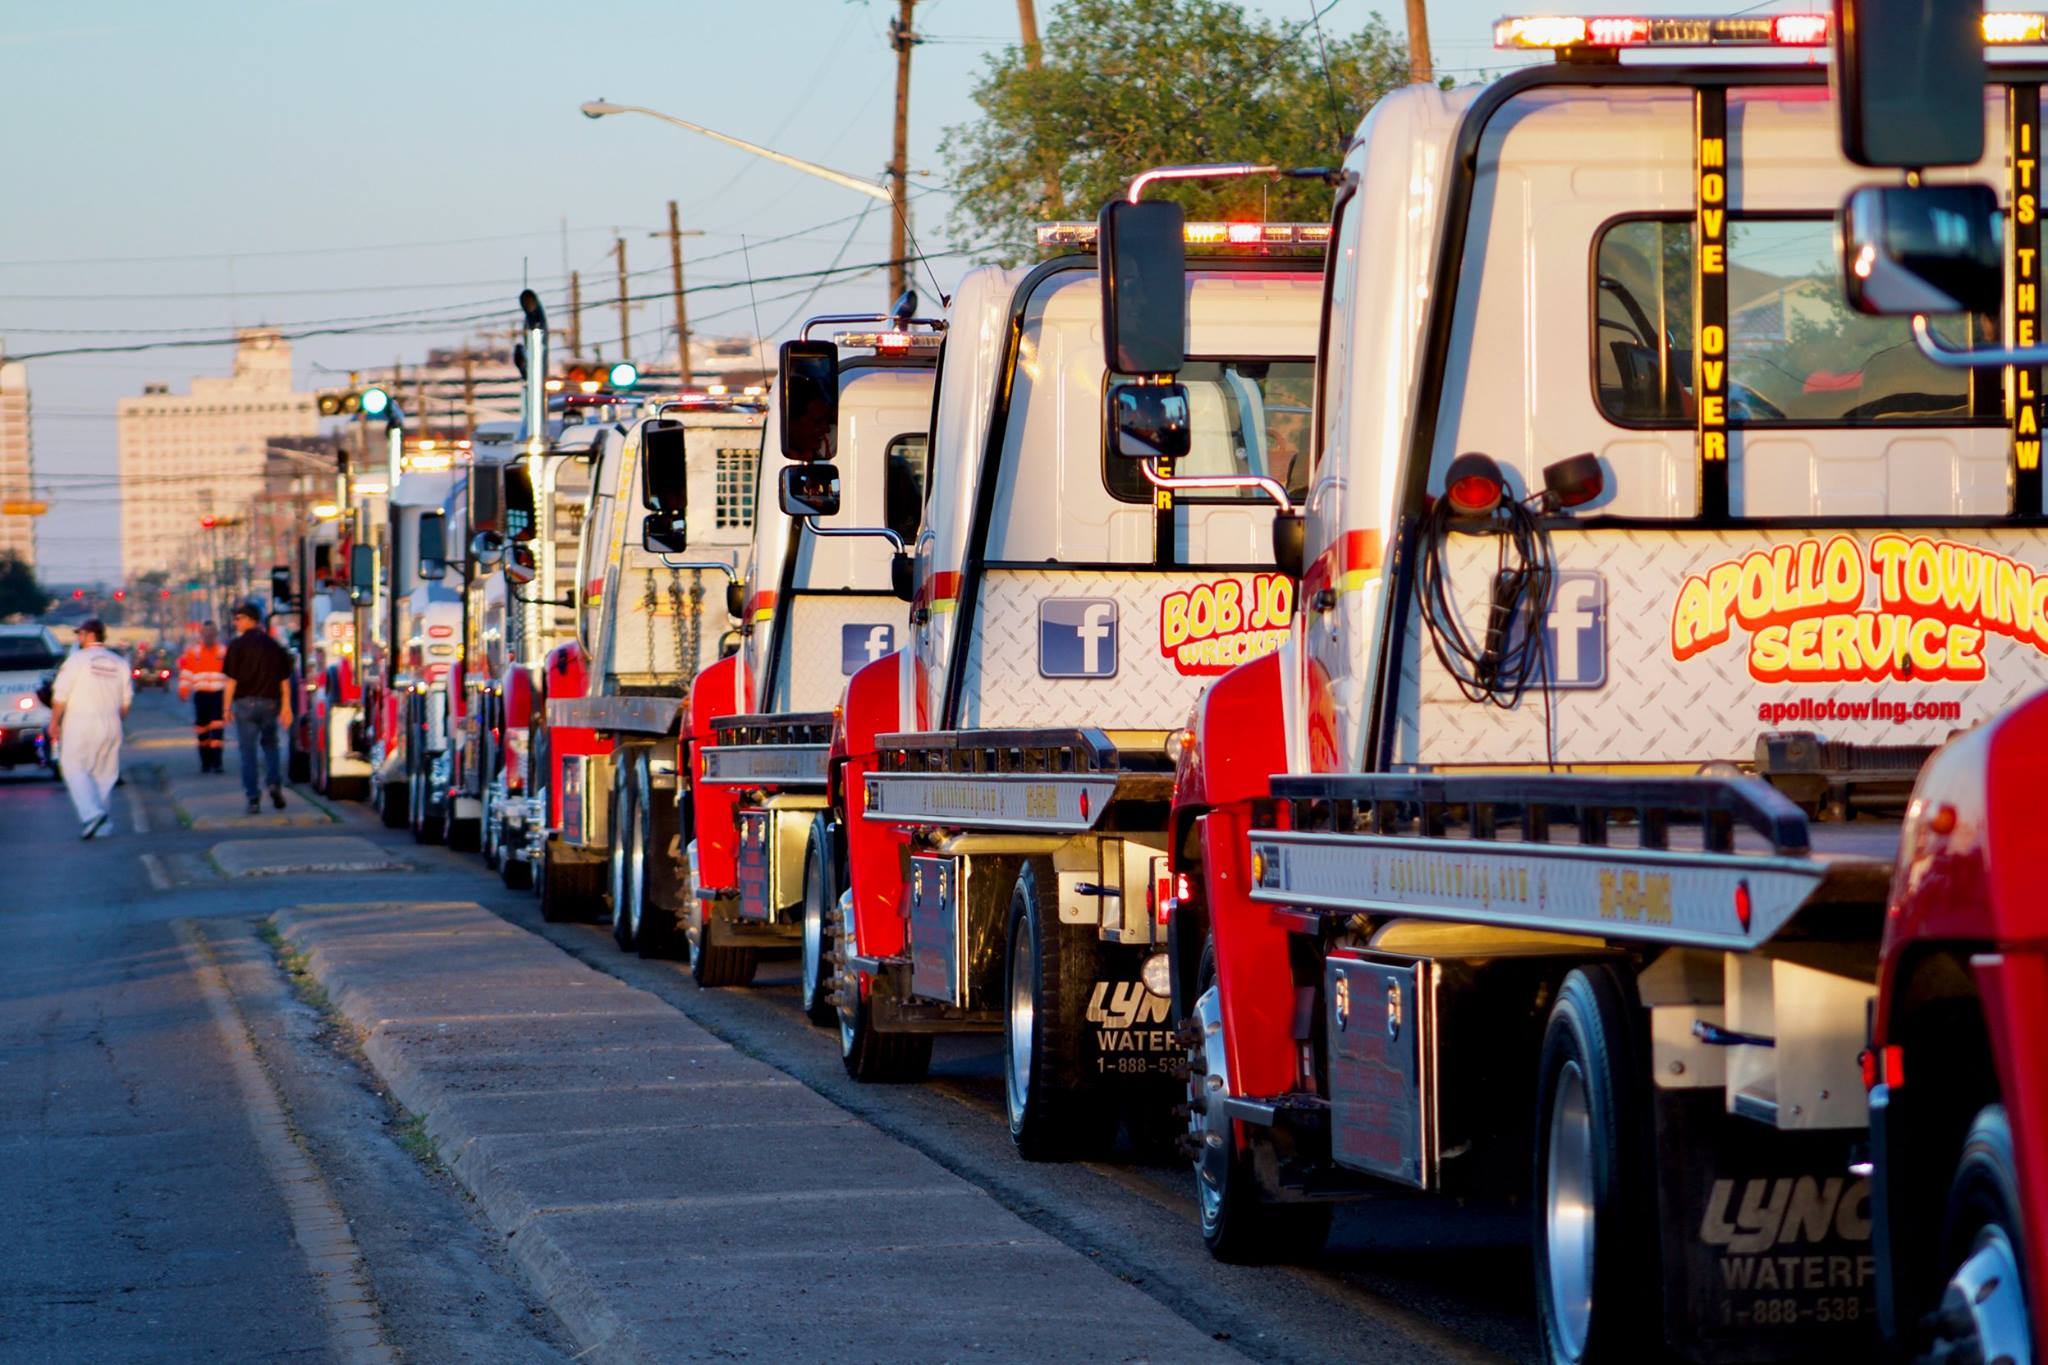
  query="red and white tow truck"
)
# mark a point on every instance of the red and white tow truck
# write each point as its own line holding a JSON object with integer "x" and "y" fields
{"x": 1004, "y": 779}
{"x": 764, "y": 866}
{"x": 647, "y": 623}
{"x": 1582, "y": 845}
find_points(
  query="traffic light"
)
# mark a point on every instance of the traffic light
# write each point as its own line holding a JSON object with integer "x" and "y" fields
{"x": 371, "y": 402}
{"x": 589, "y": 376}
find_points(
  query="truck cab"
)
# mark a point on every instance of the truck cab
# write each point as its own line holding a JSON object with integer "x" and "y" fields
{"x": 1642, "y": 573}
{"x": 1005, "y": 776}
{"x": 764, "y": 859}
{"x": 410, "y": 615}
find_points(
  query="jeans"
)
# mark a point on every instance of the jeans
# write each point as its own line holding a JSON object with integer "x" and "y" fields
{"x": 256, "y": 721}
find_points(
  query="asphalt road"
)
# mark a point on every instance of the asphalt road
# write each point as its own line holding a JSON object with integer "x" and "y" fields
{"x": 154, "y": 1220}
{"x": 192, "y": 1166}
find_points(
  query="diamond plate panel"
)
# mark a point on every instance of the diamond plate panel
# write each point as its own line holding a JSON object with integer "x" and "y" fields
{"x": 1655, "y": 708}
{"x": 1148, "y": 692}
{"x": 812, "y": 679}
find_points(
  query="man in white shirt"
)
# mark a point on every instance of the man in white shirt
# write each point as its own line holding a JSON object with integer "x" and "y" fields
{"x": 92, "y": 695}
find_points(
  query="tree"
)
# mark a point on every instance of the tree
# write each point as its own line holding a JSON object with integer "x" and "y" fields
{"x": 1123, "y": 85}
{"x": 20, "y": 594}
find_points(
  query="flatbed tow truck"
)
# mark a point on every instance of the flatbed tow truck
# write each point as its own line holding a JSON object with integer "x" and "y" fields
{"x": 1660, "y": 812}
{"x": 1004, "y": 779}
{"x": 765, "y": 864}
{"x": 647, "y": 623}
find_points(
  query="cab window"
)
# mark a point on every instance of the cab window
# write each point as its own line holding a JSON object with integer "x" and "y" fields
{"x": 903, "y": 484}
{"x": 1246, "y": 417}
{"x": 1797, "y": 353}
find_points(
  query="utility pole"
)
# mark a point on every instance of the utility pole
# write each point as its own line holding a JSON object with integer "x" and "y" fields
{"x": 468, "y": 392}
{"x": 1420, "y": 70}
{"x": 575, "y": 313}
{"x": 625, "y": 308}
{"x": 902, "y": 37}
{"x": 1034, "y": 60}
{"x": 675, "y": 235}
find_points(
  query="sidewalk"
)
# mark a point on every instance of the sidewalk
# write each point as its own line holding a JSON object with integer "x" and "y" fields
{"x": 216, "y": 800}
{"x": 674, "y": 1199}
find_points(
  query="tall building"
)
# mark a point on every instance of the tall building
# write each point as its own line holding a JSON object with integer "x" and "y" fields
{"x": 17, "y": 460}
{"x": 189, "y": 456}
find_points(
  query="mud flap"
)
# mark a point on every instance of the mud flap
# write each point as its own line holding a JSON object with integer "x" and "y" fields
{"x": 1130, "y": 1035}
{"x": 1766, "y": 1238}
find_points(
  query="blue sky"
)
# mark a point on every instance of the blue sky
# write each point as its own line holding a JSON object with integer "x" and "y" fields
{"x": 283, "y": 162}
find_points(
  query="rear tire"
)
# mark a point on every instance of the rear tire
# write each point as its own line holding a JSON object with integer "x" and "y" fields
{"x": 1982, "y": 1313}
{"x": 428, "y": 827}
{"x": 1594, "y": 1194}
{"x": 867, "y": 1053}
{"x": 1056, "y": 1110}
{"x": 820, "y": 896}
{"x": 393, "y": 804}
{"x": 656, "y": 889}
{"x": 465, "y": 836}
{"x": 515, "y": 871}
{"x": 1241, "y": 1224}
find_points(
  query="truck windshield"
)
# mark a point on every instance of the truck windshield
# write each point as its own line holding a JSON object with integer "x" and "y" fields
{"x": 1247, "y": 417}
{"x": 1797, "y": 354}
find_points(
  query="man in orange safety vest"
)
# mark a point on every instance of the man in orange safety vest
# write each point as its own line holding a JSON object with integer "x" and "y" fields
{"x": 202, "y": 682}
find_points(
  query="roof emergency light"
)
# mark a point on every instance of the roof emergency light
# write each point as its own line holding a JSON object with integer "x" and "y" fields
{"x": 1082, "y": 236}
{"x": 891, "y": 342}
{"x": 1611, "y": 32}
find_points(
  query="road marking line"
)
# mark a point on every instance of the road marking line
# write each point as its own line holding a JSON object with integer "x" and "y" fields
{"x": 318, "y": 1224}
{"x": 138, "y": 814}
{"x": 154, "y": 866}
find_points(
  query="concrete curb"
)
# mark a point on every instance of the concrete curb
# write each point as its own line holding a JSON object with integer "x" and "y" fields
{"x": 672, "y": 1198}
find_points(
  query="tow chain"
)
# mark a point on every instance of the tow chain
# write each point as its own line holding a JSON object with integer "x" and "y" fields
{"x": 649, "y": 604}
{"x": 689, "y": 641}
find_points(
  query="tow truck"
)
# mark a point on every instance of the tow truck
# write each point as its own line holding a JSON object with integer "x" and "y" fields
{"x": 411, "y": 616}
{"x": 1587, "y": 813}
{"x": 646, "y": 623}
{"x": 1004, "y": 778}
{"x": 764, "y": 866}
{"x": 325, "y": 728}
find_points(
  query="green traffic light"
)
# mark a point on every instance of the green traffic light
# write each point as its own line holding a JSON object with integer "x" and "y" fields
{"x": 623, "y": 375}
{"x": 375, "y": 402}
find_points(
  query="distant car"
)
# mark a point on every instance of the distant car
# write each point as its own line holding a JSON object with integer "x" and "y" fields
{"x": 29, "y": 655}
{"x": 152, "y": 668}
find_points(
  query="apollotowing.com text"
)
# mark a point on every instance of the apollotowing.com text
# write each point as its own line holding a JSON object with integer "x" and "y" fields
{"x": 1876, "y": 708}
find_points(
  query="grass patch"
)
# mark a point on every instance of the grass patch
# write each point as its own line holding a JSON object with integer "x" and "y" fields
{"x": 413, "y": 1137}
{"x": 298, "y": 971}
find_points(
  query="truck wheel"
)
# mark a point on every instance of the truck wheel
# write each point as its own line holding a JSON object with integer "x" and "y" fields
{"x": 569, "y": 892}
{"x": 1983, "y": 1310}
{"x": 1594, "y": 1194}
{"x": 619, "y": 866}
{"x": 514, "y": 870}
{"x": 490, "y": 829}
{"x": 653, "y": 886}
{"x": 1057, "y": 1111}
{"x": 390, "y": 800}
{"x": 428, "y": 827}
{"x": 867, "y": 1053}
{"x": 820, "y": 1006}
{"x": 464, "y": 836}
{"x": 1241, "y": 1225}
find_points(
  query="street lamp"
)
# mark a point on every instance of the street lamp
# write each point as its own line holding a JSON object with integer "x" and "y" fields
{"x": 600, "y": 108}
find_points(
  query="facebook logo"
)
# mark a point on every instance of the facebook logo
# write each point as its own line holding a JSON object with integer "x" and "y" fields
{"x": 860, "y": 645}
{"x": 1575, "y": 631}
{"x": 1077, "y": 637}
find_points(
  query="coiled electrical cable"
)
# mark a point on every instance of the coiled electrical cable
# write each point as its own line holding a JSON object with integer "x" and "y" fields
{"x": 1511, "y": 656}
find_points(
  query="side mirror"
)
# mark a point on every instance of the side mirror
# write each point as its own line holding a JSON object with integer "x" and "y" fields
{"x": 903, "y": 576}
{"x": 362, "y": 575}
{"x": 1149, "y": 421}
{"x": 487, "y": 548}
{"x": 1923, "y": 249}
{"x": 1143, "y": 263}
{"x": 522, "y": 522}
{"x": 736, "y": 599}
{"x": 664, "y": 467}
{"x": 1909, "y": 78}
{"x": 807, "y": 385}
{"x": 433, "y": 566}
{"x": 486, "y": 498}
{"x": 663, "y": 533}
{"x": 809, "y": 490}
{"x": 281, "y": 586}
{"x": 520, "y": 566}
{"x": 1290, "y": 543}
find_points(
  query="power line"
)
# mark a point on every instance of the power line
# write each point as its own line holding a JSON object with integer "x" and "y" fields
{"x": 292, "y": 251}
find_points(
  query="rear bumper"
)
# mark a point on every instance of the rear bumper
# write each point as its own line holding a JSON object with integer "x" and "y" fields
{"x": 20, "y": 746}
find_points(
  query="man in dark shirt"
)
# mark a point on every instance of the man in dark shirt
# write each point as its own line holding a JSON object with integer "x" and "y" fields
{"x": 259, "y": 697}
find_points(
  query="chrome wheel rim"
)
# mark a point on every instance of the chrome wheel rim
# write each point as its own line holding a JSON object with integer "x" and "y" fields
{"x": 1022, "y": 1021}
{"x": 1208, "y": 1072}
{"x": 1986, "y": 1291}
{"x": 693, "y": 925}
{"x": 615, "y": 871}
{"x": 636, "y": 868}
{"x": 1568, "y": 1217}
{"x": 846, "y": 985}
